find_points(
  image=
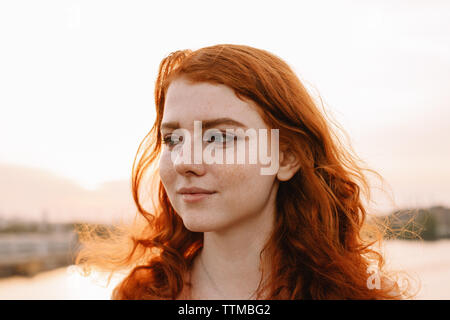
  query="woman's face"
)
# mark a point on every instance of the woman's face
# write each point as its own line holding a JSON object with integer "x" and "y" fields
{"x": 239, "y": 193}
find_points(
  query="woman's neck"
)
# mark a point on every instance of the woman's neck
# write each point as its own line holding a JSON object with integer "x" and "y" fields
{"x": 229, "y": 265}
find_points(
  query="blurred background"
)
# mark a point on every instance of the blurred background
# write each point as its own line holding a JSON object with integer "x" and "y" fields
{"x": 76, "y": 99}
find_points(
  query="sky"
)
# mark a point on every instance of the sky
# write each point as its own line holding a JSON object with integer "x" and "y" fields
{"x": 77, "y": 78}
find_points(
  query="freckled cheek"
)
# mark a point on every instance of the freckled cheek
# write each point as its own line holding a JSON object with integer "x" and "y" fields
{"x": 166, "y": 169}
{"x": 237, "y": 176}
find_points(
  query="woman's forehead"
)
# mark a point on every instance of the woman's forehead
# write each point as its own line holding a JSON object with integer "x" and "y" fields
{"x": 188, "y": 102}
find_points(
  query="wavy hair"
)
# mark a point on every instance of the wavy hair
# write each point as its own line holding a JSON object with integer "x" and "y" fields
{"x": 321, "y": 247}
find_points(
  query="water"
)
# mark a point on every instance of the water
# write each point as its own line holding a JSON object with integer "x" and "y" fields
{"x": 429, "y": 261}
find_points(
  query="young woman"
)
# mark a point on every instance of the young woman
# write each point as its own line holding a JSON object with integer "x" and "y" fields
{"x": 227, "y": 229}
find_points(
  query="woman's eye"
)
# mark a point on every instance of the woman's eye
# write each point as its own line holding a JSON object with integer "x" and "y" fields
{"x": 172, "y": 139}
{"x": 219, "y": 137}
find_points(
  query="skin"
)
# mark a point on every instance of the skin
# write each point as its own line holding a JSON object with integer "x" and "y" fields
{"x": 239, "y": 217}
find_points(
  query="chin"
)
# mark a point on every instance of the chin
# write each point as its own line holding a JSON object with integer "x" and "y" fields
{"x": 199, "y": 225}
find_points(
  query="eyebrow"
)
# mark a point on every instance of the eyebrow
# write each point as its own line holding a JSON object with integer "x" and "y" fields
{"x": 206, "y": 124}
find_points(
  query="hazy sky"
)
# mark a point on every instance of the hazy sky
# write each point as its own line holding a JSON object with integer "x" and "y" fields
{"x": 77, "y": 77}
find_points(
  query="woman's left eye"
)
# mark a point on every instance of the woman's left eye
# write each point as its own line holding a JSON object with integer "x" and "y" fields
{"x": 219, "y": 137}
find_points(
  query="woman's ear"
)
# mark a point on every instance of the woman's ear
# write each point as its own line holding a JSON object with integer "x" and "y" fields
{"x": 289, "y": 165}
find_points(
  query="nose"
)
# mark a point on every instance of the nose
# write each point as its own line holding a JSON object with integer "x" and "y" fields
{"x": 184, "y": 165}
{"x": 190, "y": 169}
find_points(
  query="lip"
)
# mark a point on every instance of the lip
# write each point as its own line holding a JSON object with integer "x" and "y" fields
{"x": 195, "y": 194}
{"x": 194, "y": 190}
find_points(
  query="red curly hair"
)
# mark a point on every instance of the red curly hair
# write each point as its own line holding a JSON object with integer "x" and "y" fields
{"x": 319, "y": 246}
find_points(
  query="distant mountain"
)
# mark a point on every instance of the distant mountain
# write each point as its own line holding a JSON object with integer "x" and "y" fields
{"x": 36, "y": 194}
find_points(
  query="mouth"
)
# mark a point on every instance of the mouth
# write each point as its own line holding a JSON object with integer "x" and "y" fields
{"x": 195, "y": 194}
{"x": 195, "y": 197}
